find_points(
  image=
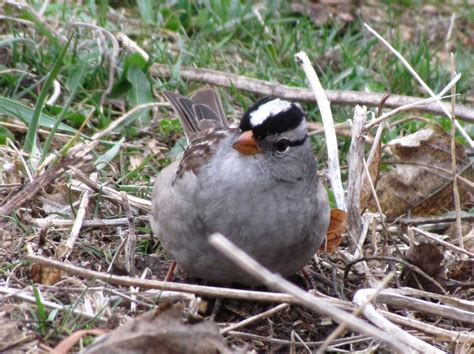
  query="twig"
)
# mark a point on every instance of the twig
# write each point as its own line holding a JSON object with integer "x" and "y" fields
{"x": 294, "y": 335}
{"x": 75, "y": 156}
{"x": 18, "y": 293}
{"x": 421, "y": 82}
{"x": 457, "y": 201}
{"x": 434, "y": 219}
{"x": 262, "y": 87}
{"x": 275, "y": 281}
{"x": 444, "y": 243}
{"x": 65, "y": 250}
{"x": 356, "y": 312}
{"x": 86, "y": 223}
{"x": 110, "y": 193}
{"x": 450, "y": 31}
{"x": 334, "y": 171}
{"x": 406, "y": 107}
{"x": 423, "y": 326}
{"x": 267, "y": 88}
{"x": 361, "y": 297}
{"x": 131, "y": 45}
{"x": 169, "y": 286}
{"x": 337, "y": 342}
{"x": 356, "y": 171}
{"x": 255, "y": 318}
{"x": 412, "y": 267}
{"x": 390, "y": 297}
{"x": 374, "y": 191}
{"x": 131, "y": 236}
{"x": 448, "y": 299}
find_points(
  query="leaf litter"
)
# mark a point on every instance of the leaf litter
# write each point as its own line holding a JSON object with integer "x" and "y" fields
{"x": 422, "y": 158}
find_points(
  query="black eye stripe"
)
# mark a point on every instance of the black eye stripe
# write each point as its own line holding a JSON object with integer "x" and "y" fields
{"x": 294, "y": 142}
{"x": 298, "y": 142}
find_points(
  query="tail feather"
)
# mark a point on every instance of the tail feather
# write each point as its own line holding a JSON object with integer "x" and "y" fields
{"x": 203, "y": 111}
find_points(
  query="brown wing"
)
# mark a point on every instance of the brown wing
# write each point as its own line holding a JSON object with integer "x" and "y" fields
{"x": 200, "y": 151}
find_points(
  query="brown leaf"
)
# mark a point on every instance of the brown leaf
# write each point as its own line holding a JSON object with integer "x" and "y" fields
{"x": 429, "y": 258}
{"x": 462, "y": 270}
{"x": 45, "y": 275}
{"x": 164, "y": 330}
{"x": 334, "y": 235}
{"x": 421, "y": 182}
{"x": 15, "y": 337}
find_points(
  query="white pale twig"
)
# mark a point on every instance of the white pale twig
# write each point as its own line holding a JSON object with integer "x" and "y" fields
{"x": 436, "y": 239}
{"x": 371, "y": 313}
{"x": 131, "y": 45}
{"x": 356, "y": 171}
{"x": 420, "y": 81}
{"x": 334, "y": 171}
{"x": 20, "y": 294}
{"x": 406, "y": 107}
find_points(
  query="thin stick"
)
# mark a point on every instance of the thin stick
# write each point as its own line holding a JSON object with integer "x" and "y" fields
{"x": 267, "y": 88}
{"x": 319, "y": 305}
{"x": 169, "y": 286}
{"x": 406, "y": 107}
{"x": 356, "y": 171}
{"x": 334, "y": 170}
{"x": 18, "y": 293}
{"x": 361, "y": 297}
{"x": 131, "y": 236}
{"x": 255, "y": 318}
{"x": 63, "y": 223}
{"x": 420, "y": 81}
{"x": 457, "y": 201}
{"x": 442, "y": 242}
{"x": 111, "y": 194}
{"x": 337, "y": 332}
{"x": 337, "y": 342}
{"x": 65, "y": 249}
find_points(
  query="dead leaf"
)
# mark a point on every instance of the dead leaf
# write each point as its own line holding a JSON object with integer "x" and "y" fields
{"x": 334, "y": 235}
{"x": 45, "y": 275}
{"x": 14, "y": 336}
{"x": 462, "y": 270}
{"x": 165, "y": 330}
{"x": 429, "y": 258}
{"x": 421, "y": 182}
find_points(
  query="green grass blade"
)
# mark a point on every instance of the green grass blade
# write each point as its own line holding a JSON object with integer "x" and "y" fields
{"x": 75, "y": 87}
{"x": 40, "y": 311}
{"x": 109, "y": 155}
{"x": 25, "y": 114}
{"x": 30, "y": 140}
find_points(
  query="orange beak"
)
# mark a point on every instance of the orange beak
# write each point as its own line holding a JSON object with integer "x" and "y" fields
{"x": 246, "y": 144}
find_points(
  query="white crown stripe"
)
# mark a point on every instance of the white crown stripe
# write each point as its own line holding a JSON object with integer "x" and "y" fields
{"x": 267, "y": 110}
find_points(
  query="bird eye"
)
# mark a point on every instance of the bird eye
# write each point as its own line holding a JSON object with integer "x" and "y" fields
{"x": 282, "y": 145}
